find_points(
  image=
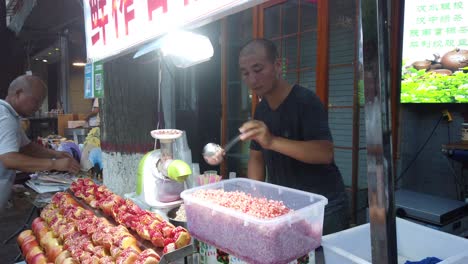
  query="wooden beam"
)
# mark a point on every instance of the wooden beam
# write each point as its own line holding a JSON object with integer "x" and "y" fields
{"x": 356, "y": 120}
{"x": 322, "y": 51}
{"x": 272, "y": 3}
{"x": 257, "y": 32}
{"x": 397, "y": 18}
{"x": 298, "y": 43}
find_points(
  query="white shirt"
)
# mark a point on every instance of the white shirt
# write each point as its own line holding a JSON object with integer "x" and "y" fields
{"x": 12, "y": 138}
{"x": 95, "y": 120}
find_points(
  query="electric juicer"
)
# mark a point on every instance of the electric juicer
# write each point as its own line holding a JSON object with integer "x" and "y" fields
{"x": 160, "y": 177}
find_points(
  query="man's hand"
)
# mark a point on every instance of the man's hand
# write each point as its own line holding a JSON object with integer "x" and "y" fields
{"x": 258, "y": 131}
{"x": 62, "y": 155}
{"x": 66, "y": 164}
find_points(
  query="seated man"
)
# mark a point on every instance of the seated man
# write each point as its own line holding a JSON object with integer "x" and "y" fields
{"x": 17, "y": 152}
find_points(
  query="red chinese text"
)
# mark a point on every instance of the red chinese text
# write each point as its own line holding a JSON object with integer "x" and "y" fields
{"x": 99, "y": 20}
{"x": 187, "y": 2}
{"x": 122, "y": 8}
{"x": 155, "y": 4}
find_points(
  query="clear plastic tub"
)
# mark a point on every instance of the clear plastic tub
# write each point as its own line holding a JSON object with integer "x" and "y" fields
{"x": 278, "y": 240}
{"x": 168, "y": 190}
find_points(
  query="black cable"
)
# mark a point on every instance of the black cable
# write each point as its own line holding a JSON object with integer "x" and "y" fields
{"x": 168, "y": 69}
{"x": 452, "y": 166}
{"x": 448, "y": 132}
{"x": 23, "y": 227}
{"x": 462, "y": 177}
{"x": 172, "y": 74}
{"x": 457, "y": 183}
{"x": 419, "y": 151}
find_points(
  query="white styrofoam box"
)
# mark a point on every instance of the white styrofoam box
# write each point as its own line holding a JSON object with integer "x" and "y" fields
{"x": 77, "y": 123}
{"x": 335, "y": 255}
{"x": 414, "y": 242}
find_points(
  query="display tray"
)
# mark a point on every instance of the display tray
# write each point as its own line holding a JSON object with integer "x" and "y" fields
{"x": 178, "y": 254}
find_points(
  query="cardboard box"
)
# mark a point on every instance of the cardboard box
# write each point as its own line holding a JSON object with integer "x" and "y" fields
{"x": 77, "y": 123}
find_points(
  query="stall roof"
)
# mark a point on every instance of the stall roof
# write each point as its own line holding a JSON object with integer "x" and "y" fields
{"x": 46, "y": 21}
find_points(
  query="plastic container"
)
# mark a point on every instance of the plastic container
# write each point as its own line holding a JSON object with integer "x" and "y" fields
{"x": 414, "y": 242}
{"x": 278, "y": 240}
{"x": 168, "y": 190}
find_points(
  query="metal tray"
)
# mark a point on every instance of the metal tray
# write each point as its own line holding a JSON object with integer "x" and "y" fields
{"x": 178, "y": 254}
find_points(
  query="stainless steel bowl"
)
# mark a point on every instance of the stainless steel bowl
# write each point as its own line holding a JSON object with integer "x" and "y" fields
{"x": 172, "y": 215}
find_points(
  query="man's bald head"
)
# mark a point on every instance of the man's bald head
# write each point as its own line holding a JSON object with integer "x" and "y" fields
{"x": 257, "y": 45}
{"x": 26, "y": 94}
{"x": 29, "y": 84}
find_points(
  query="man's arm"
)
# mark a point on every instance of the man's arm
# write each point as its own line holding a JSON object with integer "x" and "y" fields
{"x": 94, "y": 112}
{"x": 311, "y": 151}
{"x": 25, "y": 163}
{"x": 35, "y": 150}
{"x": 18, "y": 161}
{"x": 256, "y": 166}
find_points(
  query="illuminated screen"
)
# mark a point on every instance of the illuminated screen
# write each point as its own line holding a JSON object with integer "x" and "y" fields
{"x": 435, "y": 52}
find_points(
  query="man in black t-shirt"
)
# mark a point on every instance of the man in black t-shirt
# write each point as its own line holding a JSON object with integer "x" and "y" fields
{"x": 290, "y": 134}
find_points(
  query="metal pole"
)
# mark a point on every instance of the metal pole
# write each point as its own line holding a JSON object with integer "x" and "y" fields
{"x": 374, "y": 59}
{"x": 64, "y": 73}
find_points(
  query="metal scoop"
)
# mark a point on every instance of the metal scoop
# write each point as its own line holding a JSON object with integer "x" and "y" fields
{"x": 213, "y": 153}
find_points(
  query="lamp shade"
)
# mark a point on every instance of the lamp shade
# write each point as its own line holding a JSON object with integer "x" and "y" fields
{"x": 183, "y": 48}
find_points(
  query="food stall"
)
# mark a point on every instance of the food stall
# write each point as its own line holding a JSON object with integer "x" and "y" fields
{"x": 118, "y": 229}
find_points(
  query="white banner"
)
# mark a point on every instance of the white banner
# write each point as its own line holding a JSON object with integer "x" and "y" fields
{"x": 113, "y": 26}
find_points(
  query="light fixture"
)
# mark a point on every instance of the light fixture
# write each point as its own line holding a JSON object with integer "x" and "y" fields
{"x": 183, "y": 48}
{"x": 79, "y": 64}
{"x": 57, "y": 49}
{"x": 44, "y": 60}
{"x": 50, "y": 53}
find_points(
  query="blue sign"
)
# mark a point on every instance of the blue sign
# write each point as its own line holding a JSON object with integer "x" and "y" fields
{"x": 88, "y": 81}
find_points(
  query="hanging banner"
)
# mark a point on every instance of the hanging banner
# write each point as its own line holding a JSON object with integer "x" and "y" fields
{"x": 88, "y": 81}
{"x": 113, "y": 26}
{"x": 98, "y": 76}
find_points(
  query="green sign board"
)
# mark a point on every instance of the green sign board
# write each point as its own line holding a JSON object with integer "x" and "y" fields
{"x": 98, "y": 74}
{"x": 94, "y": 80}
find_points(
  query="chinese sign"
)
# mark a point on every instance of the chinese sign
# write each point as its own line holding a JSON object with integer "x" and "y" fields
{"x": 98, "y": 76}
{"x": 113, "y": 26}
{"x": 434, "y": 27}
{"x": 94, "y": 80}
{"x": 88, "y": 81}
